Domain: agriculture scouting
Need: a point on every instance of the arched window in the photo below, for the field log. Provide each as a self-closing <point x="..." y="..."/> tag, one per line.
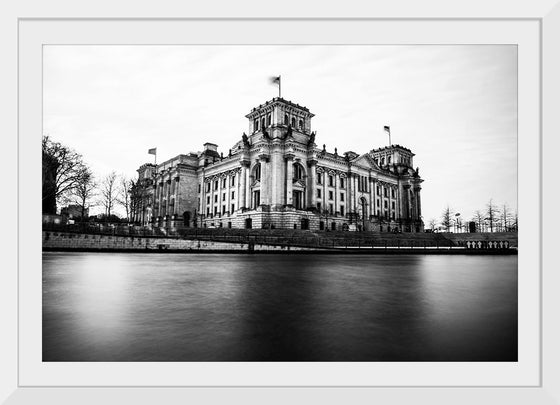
<point x="286" y="119"/>
<point x="263" y="122"/>
<point x="256" y="125"/>
<point x="301" y="124"/>
<point x="293" y="122"/>
<point x="268" y="119"/>
<point x="298" y="171"/>
<point x="258" y="172"/>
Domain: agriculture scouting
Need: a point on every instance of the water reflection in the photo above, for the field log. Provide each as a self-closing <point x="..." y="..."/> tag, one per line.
<point x="202" y="307"/>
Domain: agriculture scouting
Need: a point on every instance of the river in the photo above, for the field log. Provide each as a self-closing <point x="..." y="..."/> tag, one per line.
<point x="269" y="307"/>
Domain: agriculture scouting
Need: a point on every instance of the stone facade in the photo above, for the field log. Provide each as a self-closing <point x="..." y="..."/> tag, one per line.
<point x="276" y="177"/>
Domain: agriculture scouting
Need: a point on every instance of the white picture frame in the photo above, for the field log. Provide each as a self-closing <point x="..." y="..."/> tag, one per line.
<point x="547" y="17"/>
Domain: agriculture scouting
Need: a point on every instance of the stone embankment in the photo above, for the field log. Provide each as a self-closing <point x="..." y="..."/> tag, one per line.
<point x="421" y="244"/>
<point x="69" y="241"/>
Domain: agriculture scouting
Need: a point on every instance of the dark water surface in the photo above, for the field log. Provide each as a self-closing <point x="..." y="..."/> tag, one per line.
<point x="222" y="307"/>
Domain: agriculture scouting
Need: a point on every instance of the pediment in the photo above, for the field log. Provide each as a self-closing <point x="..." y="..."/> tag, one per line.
<point x="365" y="160"/>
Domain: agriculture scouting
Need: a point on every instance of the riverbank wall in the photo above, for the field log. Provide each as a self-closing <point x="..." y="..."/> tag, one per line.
<point x="78" y="242"/>
<point x="69" y="241"/>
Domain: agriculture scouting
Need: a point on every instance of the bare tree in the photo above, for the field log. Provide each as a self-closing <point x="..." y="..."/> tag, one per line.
<point x="478" y="218"/>
<point x="492" y="215"/>
<point x="109" y="192"/>
<point x="124" y="197"/>
<point x="63" y="169"/>
<point x="85" y="191"/>
<point x="432" y="224"/>
<point x="506" y="217"/>
<point x="446" y="218"/>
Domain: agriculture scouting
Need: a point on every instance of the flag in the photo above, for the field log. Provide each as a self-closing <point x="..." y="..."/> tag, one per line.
<point x="152" y="151"/>
<point x="387" y="129"/>
<point x="276" y="80"/>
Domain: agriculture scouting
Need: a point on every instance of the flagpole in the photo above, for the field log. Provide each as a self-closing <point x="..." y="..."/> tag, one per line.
<point x="279" y="86"/>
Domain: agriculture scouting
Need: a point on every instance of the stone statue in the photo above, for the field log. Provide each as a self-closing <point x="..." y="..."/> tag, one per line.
<point x="265" y="134"/>
<point x="335" y="151"/>
<point x="245" y="140"/>
<point x="311" y="139"/>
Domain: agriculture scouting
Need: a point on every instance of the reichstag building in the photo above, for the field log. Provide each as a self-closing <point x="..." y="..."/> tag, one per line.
<point x="275" y="177"/>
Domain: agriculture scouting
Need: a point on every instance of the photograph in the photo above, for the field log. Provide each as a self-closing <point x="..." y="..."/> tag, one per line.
<point x="280" y="203"/>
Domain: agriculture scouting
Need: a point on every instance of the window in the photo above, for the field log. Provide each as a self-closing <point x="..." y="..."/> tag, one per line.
<point x="298" y="172"/>
<point x="258" y="172"/>
<point x="298" y="199"/>
<point x="199" y="188"/>
<point x="342" y="210"/>
<point x="232" y="209"/>
<point x="341" y="196"/>
<point x="393" y="215"/>
<point x="392" y="193"/>
<point x="389" y="160"/>
<point x="393" y="205"/>
<point x="233" y="195"/>
<point x="382" y="161"/>
<point x="293" y="122"/>
<point x="341" y="183"/>
<point x="215" y="210"/>
<point x="331" y="181"/>
<point x="263" y="122"/>
<point x="224" y="182"/>
<point x="208" y="200"/>
<point x="385" y="204"/>
<point x="319" y="178"/>
<point x="256" y="125"/>
<point x="377" y="202"/>
<point x="301" y="124"/>
<point x="286" y="119"/>
<point x="330" y="195"/>
<point x="377" y="190"/>
<point x="223" y="196"/>
<point x="385" y="192"/>
<point x="207" y="211"/>
<point x="256" y="198"/>
<point x="215" y="198"/>
<point x="268" y="120"/>
<point x="319" y="206"/>
<point x="318" y="193"/>
<point x="233" y="180"/>
<point x="208" y="187"/>
<point x="216" y="185"/>
<point x="331" y="209"/>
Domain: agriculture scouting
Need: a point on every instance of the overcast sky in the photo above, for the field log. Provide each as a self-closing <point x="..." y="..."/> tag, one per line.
<point x="454" y="106"/>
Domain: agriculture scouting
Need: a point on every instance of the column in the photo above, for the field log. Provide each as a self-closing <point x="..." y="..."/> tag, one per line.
<point x="350" y="196"/>
<point x="175" y="209"/>
<point x="407" y="201"/>
<point x="242" y="181"/>
<point x="160" y="198"/>
<point x="372" y="196"/>
<point x="311" y="182"/>
<point x="228" y="193"/>
<point x="418" y="206"/>
<point x="265" y="181"/>
<point x="336" y="184"/>
<point x="289" y="178"/>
